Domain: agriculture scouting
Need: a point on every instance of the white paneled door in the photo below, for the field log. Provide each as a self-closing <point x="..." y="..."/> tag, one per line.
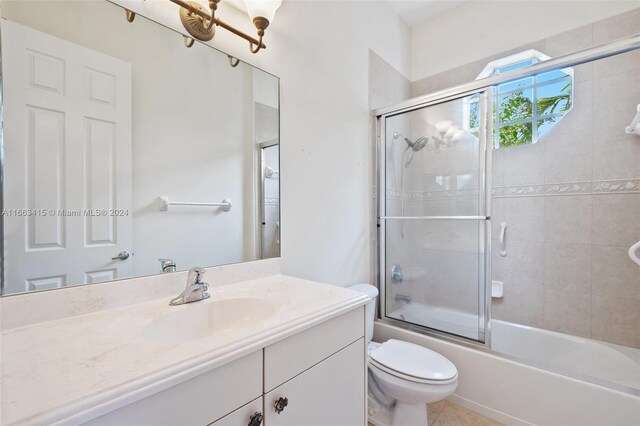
<point x="67" y="162"/>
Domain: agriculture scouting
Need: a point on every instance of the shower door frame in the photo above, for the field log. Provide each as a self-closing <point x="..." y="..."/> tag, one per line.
<point x="484" y="195"/>
<point x="616" y="47"/>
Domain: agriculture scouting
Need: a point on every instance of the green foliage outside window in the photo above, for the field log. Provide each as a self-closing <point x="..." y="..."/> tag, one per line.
<point x="518" y="106"/>
<point x="526" y="108"/>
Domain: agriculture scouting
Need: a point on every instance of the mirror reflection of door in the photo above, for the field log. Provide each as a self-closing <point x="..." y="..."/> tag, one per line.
<point x="64" y="106"/>
<point x="270" y="200"/>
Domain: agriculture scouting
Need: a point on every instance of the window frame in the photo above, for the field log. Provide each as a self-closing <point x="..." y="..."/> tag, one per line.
<point x="494" y="68"/>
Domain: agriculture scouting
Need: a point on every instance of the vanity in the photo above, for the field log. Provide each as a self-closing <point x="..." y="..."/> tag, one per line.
<point x="275" y="350"/>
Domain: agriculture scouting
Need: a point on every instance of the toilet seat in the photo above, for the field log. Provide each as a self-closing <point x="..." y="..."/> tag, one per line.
<point x="413" y="363"/>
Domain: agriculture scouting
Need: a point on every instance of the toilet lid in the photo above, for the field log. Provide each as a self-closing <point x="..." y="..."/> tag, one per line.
<point x="413" y="360"/>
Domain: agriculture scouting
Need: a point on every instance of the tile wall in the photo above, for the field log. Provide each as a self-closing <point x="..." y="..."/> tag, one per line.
<point x="572" y="200"/>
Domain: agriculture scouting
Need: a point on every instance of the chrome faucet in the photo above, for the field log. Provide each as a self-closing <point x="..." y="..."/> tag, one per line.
<point x="403" y="298"/>
<point x="196" y="289"/>
<point x="167" y="265"/>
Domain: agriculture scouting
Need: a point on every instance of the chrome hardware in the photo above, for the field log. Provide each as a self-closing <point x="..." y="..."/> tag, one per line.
<point x="403" y="298"/>
<point x="255" y="419"/>
<point x="196" y="289"/>
<point x="435" y="217"/>
<point x="123" y="255"/>
<point x="280" y="404"/>
<point x="396" y="274"/>
<point x="167" y="265"/>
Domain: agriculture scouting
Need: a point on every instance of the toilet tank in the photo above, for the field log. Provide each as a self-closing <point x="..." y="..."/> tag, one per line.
<point x="370" y="307"/>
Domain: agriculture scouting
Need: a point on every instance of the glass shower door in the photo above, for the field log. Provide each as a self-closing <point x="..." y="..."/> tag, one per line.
<point x="434" y="217"/>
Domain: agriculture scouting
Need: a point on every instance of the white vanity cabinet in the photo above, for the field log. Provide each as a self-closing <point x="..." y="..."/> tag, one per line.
<point x="330" y="393"/>
<point x="320" y="373"/>
<point x="198" y="401"/>
<point x="314" y="377"/>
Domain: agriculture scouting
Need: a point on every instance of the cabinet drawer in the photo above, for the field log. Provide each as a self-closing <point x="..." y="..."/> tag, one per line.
<point x="290" y="357"/>
<point x="330" y="393"/>
<point x="242" y="415"/>
<point x="197" y="401"/>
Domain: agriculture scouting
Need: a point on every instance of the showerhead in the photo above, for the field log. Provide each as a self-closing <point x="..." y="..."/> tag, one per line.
<point x="420" y="143"/>
<point x="412" y="147"/>
<point x="417" y="145"/>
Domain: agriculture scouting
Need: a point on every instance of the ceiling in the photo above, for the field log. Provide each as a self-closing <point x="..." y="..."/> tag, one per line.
<point x="415" y="12"/>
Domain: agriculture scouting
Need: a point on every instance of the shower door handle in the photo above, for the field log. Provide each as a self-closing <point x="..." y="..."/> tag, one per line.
<point x="632" y="252"/>
<point x="503" y="247"/>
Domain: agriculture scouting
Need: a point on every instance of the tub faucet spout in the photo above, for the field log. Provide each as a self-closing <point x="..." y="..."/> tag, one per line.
<point x="403" y="298"/>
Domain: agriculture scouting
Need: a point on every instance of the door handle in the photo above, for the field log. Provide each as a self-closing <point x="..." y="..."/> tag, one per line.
<point x="123" y="255"/>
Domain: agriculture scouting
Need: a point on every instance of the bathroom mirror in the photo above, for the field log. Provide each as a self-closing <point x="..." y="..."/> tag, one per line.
<point x="126" y="153"/>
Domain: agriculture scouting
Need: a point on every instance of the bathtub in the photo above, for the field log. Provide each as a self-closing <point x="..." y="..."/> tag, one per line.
<point x="598" y="362"/>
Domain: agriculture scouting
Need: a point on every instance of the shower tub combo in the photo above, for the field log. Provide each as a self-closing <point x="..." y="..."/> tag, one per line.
<point x="436" y="262"/>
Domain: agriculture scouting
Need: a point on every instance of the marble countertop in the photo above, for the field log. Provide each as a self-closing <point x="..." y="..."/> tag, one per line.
<point x="77" y="368"/>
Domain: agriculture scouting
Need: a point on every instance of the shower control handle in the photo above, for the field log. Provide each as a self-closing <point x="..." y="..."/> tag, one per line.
<point x="396" y="274"/>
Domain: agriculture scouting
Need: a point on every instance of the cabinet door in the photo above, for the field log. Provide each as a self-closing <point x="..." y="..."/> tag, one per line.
<point x="247" y="415"/>
<point x="286" y="359"/>
<point x="329" y="393"/>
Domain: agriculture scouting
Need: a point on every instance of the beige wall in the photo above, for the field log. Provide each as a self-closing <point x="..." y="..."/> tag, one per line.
<point x="572" y="200"/>
<point x="478" y="29"/>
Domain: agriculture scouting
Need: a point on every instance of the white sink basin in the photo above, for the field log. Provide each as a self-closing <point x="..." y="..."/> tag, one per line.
<point x="207" y="318"/>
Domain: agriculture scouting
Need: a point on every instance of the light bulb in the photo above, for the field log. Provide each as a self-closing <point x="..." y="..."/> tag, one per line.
<point x="443" y="125"/>
<point x="451" y="131"/>
<point x="458" y="135"/>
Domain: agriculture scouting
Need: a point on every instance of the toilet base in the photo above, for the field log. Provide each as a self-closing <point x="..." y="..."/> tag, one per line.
<point x="376" y="414"/>
<point x="405" y="414"/>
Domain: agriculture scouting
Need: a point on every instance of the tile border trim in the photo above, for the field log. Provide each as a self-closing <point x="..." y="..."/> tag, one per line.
<point x="598" y="187"/>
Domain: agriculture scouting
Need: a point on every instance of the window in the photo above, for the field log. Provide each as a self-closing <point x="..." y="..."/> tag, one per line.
<point x="525" y="109"/>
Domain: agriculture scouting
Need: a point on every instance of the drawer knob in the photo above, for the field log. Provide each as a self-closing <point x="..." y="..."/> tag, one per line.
<point x="280" y="404"/>
<point x="255" y="419"/>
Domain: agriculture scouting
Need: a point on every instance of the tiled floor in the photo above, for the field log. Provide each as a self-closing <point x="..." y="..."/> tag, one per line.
<point x="445" y="413"/>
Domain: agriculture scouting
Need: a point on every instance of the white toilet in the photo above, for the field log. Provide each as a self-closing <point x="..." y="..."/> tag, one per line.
<point x="403" y="375"/>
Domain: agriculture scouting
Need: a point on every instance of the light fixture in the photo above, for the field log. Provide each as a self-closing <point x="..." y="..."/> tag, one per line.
<point x="200" y="23"/>
<point x="448" y="135"/>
